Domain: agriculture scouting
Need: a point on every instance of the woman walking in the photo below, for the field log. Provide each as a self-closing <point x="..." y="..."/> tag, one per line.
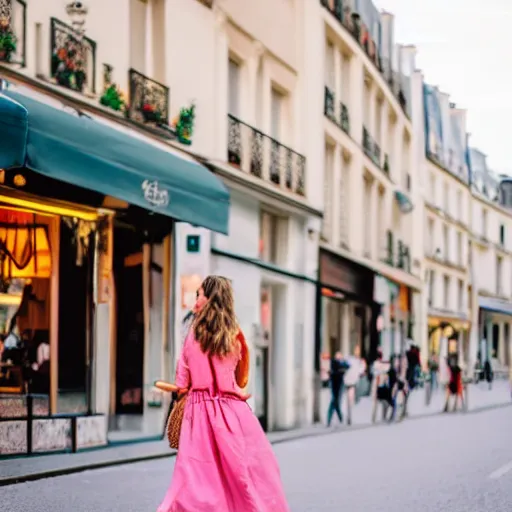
<point x="225" y="462"/>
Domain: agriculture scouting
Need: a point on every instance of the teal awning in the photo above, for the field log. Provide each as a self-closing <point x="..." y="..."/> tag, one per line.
<point x="59" y="142"/>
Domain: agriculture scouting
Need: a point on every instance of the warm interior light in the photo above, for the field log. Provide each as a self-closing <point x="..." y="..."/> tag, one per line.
<point x="50" y="207"/>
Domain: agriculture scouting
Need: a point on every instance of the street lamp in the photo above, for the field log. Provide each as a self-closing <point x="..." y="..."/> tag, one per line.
<point x="77" y="13"/>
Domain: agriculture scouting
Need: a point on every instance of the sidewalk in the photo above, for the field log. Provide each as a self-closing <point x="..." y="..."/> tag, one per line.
<point x="36" y="467"/>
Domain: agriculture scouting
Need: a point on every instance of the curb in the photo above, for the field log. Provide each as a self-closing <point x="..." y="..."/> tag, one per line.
<point x="52" y="473"/>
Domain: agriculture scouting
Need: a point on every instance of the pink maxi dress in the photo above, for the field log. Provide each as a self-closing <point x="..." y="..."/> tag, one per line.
<point x="225" y="462"/>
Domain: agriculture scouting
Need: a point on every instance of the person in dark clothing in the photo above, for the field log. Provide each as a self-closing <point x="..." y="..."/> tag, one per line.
<point x="488" y="373"/>
<point x="336" y="375"/>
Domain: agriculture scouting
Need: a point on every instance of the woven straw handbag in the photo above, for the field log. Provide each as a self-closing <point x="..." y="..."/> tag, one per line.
<point x="175" y="421"/>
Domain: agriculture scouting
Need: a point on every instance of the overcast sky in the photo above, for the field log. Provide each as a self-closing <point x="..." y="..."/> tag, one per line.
<point x="465" y="47"/>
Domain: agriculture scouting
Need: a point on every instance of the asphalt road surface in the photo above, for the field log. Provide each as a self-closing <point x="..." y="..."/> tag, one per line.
<point x="452" y="463"/>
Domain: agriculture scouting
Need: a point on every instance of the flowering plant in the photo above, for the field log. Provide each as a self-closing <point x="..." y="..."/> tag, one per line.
<point x="8" y="40"/>
<point x="68" y="66"/>
<point x="113" y="98"/>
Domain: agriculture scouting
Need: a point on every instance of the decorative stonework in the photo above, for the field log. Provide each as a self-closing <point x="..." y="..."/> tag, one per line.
<point x="91" y="431"/>
<point x="13" y="437"/>
<point x="51" y="435"/>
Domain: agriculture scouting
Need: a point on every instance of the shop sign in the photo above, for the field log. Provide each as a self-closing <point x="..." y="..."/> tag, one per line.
<point x="343" y="275"/>
<point x="155" y="195"/>
<point x="381" y="290"/>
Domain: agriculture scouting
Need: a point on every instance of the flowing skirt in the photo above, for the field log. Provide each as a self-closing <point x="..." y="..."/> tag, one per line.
<point x="225" y="462"/>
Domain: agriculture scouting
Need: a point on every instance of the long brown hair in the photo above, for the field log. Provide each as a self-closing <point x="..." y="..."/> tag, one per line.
<point x="215" y="326"/>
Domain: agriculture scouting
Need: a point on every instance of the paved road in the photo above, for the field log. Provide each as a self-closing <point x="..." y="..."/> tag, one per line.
<point x="452" y="463"/>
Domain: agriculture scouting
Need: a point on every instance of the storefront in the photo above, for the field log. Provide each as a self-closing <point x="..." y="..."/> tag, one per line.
<point x="87" y="210"/>
<point x="448" y="336"/>
<point x="494" y="320"/>
<point x="348" y="312"/>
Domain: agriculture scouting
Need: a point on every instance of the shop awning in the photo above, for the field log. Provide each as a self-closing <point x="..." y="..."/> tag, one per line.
<point x="495" y="305"/>
<point x="42" y="134"/>
<point x="404" y="203"/>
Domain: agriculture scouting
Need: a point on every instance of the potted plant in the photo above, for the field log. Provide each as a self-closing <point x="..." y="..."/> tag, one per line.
<point x="151" y="114"/>
<point x="113" y="98"/>
<point x="68" y="67"/>
<point x="184" y="125"/>
<point x="8" y="40"/>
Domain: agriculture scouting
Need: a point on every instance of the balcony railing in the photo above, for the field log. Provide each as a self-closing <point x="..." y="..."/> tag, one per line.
<point x="256" y="153"/>
<point x="371" y="148"/>
<point x="367" y="142"/>
<point x="401" y="258"/>
<point x="329" y="104"/>
<point x="149" y="100"/>
<point x="345" y="119"/>
<point x="73" y="62"/>
<point x="342" y="119"/>
<point x="352" y="22"/>
<point x="13" y="25"/>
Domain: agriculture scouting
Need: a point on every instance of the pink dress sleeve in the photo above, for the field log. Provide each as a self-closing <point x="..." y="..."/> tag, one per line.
<point x="182" y="369"/>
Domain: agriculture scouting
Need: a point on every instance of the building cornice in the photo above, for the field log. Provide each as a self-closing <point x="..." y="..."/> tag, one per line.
<point x="447" y="172"/>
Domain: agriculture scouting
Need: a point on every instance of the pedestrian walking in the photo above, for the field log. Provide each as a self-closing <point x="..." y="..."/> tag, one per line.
<point x="488" y="373"/>
<point x="455" y="386"/>
<point x="336" y="375"/>
<point x="357" y="368"/>
<point x="225" y="462"/>
<point x="433" y="368"/>
<point x="381" y="389"/>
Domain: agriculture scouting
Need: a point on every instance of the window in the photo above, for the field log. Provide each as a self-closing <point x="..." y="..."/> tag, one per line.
<point x="460" y="216"/>
<point x="484" y="223"/>
<point x="273" y="238"/>
<point x="446" y="243"/>
<point x="459" y="248"/>
<point x="431" y="287"/>
<point x="329" y="65"/>
<point x="446" y="292"/>
<point x="429" y="242"/>
<point x="432" y="189"/>
<point x="328" y="191"/>
<point x="502" y="235"/>
<point x="461" y="305"/>
<point x="499" y="275"/>
<point x="276" y="114"/>
<point x="446" y="198"/>
<point x="234" y="88"/>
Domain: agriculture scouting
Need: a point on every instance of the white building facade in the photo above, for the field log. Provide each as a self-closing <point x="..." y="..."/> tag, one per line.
<point x="491" y="259"/>
<point x="257" y="144"/>
<point x="370" y="250"/>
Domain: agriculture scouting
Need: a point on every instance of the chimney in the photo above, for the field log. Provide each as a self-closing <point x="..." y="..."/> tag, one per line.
<point x="408" y="59"/>
<point x="387" y="39"/>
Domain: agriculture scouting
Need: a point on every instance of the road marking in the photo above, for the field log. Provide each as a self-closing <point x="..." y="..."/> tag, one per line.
<point x="501" y="471"/>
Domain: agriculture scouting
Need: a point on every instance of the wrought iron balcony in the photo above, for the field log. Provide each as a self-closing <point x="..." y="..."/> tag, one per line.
<point x="256" y="153"/>
<point x="335" y="7"/>
<point x="13" y="25"/>
<point x="367" y="143"/>
<point x="149" y="100"/>
<point x="329" y="104"/>
<point x="385" y="167"/>
<point x="345" y="118"/>
<point x="376" y="155"/>
<point x="73" y="62"/>
<point x="389" y="258"/>
<point x="403" y="257"/>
